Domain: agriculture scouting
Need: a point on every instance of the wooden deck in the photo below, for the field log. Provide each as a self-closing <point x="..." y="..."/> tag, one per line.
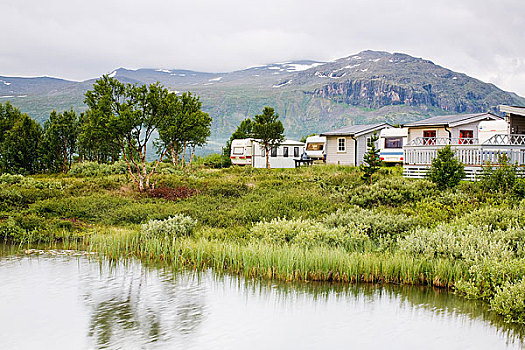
<point x="418" y="154"/>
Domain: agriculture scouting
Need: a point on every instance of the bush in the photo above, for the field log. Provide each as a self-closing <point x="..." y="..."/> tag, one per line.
<point x="391" y="191"/>
<point x="375" y="224"/>
<point x="170" y="228"/>
<point x="502" y="178"/>
<point x="215" y="161"/>
<point x="97" y="169"/>
<point x="172" y="194"/>
<point x="510" y="301"/>
<point x="446" y="171"/>
<point x="307" y="233"/>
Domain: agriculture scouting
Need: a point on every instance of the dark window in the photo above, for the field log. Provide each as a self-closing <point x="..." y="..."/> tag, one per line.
<point x="393" y="142"/>
<point x="429" y="137"/>
<point x="285" y="151"/>
<point x="274" y="152"/>
<point x="341" y="145"/>
<point x="296" y="151"/>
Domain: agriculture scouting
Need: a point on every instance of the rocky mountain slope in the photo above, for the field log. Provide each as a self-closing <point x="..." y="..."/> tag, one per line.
<point x="310" y="96"/>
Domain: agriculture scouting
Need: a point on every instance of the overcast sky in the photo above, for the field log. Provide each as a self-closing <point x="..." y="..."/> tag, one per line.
<point x="81" y="39"/>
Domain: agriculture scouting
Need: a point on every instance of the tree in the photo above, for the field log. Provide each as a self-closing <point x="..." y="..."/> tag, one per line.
<point x="128" y="115"/>
<point x="20" y="138"/>
<point x="95" y="142"/>
<point x="243" y="131"/>
<point x="268" y="130"/>
<point x="60" y="140"/>
<point x="446" y="171"/>
<point x="184" y="125"/>
<point x="371" y="160"/>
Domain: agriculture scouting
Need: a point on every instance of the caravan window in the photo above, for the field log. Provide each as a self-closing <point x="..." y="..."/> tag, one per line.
<point x="273" y="152"/>
<point x="393" y="142"/>
<point x="341" y="144"/>
<point x="238" y="150"/>
<point x="285" y="151"/>
<point x="296" y="151"/>
<point x="314" y="147"/>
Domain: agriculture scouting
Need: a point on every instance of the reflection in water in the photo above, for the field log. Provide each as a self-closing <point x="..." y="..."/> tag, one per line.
<point x="82" y="303"/>
<point x="132" y="302"/>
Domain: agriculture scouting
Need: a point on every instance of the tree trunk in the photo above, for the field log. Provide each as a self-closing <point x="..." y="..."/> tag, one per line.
<point x="267" y="157"/>
<point x="192" y="154"/>
<point x="184" y="154"/>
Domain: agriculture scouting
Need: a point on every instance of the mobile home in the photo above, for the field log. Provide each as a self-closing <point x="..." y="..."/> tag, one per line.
<point x="315" y="147"/>
<point x="391" y="142"/>
<point x="347" y="146"/>
<point x="251" y="152"/>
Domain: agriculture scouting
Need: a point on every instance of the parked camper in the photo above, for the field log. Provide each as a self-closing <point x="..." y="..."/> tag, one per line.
<point x="315" y="147"/>
<point x="251" y="152"/>
<point x="241" y="151"/>
<point x="489" y="128"/>
<point x="391" y="142"/>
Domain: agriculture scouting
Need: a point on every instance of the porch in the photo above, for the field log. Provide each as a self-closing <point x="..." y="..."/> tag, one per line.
<point x="420" y="152"/>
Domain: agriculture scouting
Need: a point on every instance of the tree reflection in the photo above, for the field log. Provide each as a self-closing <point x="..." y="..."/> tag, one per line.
<point x="135" y="305"/>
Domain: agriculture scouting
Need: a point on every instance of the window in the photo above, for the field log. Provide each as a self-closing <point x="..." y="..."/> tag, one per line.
<point x="429" y="137"/>
<point x="296" y="152"/>
<point x="341" y="144"/>
<point x="273" y="152"/>
<point x="285" y="151"/>
<point x="466" y="137"/>
<point x="238" y="150"/>
<point x="318" y="146"/>
<point x="393" y="142"/>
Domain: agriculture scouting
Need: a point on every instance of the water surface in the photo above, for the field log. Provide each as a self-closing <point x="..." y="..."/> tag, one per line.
<point x="76" y="302"/>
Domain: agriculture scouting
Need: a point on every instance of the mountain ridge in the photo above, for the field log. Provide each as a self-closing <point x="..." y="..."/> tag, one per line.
<point x="311" y="96"/>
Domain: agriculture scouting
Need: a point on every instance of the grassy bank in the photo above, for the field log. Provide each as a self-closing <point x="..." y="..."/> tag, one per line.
<point x="311" y="224"/>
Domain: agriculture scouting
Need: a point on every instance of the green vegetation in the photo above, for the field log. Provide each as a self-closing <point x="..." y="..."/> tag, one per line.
<point x="314" y="223"/>
<point x="371" y="161"/>
<point x="446" y="171"/>
<point x="268" y="130"/>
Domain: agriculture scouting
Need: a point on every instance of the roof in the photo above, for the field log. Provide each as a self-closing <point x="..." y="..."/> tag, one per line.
<point x="453" y="120"/>
<point x="512" y="109"/>
<point x="356" y="130"/>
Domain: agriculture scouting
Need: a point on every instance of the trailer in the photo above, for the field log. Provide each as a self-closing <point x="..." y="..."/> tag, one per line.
<point x="315" y="147"/>
<point x="391" y="142"/>
<point x="249" y="152"/>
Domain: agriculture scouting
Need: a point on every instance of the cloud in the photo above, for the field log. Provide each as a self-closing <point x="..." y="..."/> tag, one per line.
<point x="83" y="39"/>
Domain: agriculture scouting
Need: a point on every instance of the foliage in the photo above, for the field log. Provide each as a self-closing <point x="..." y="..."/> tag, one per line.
<point x="20" y="138"/>
<point x="170" y="228"/>
<point x="502" y="178"/>
<point x="98" y="169"/>
<point x="510" y="301"/>
<point x="59" y="142"/>
<point x="268" y="130"/>
<point x="371" y="160"/>
<point x="446" y="171"/>
<point x="215" y="161"/>
<point x="184" y="126"/>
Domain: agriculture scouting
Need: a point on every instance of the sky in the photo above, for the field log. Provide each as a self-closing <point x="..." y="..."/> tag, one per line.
<point x="79" y="39"/>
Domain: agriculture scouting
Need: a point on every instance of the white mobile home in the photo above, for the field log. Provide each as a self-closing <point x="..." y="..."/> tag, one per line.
<point x="347" y="146"/>
<point x="251" y="152"/>
<point x="315" y="147"/>
<point x="391" y="142"/>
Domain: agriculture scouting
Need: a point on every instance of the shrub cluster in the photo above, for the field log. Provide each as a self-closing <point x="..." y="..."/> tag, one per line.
<point x="172" y="194"/>
<point x="170" y="228"/>
<point x="307" y="233"/>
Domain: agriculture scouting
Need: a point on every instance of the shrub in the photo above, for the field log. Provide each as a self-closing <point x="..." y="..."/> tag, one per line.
<point x="375" y="224"/>
<point x="307" y="233"/>
<point x="216" y="161"/>
<point x="170" y="228"/>
<point x="391" y="191"/>
<point x="502" y="178"/>
<point x="446" y="171"/>
<point x="172" y="194"/>
<point x="510" y="301"/>
<point x="97" y="169"/>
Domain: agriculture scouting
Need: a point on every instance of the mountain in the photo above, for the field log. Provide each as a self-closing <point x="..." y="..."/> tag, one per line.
<point x="310" y="96"/>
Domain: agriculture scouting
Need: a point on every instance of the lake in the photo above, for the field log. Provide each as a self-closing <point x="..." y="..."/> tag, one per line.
<point x="78" y="302"/>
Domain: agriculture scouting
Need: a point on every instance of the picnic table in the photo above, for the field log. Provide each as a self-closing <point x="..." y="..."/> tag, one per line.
<point x="298" y="162"/>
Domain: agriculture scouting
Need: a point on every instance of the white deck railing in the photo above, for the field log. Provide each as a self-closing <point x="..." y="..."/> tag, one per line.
<point x="421" y="151"/>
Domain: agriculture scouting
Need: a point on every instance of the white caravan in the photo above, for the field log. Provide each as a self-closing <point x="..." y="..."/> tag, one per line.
<point x="391" y="142"/>
<point x="315" y="147"/>
<point x="251" y="152"/>
<point x="489" y="128"/>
